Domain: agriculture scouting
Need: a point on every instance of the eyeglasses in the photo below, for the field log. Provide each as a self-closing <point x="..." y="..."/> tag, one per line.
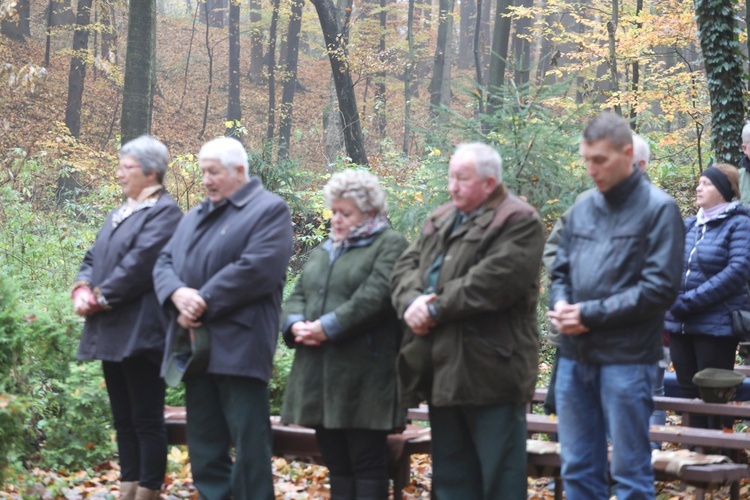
<point x="127" y="167"/>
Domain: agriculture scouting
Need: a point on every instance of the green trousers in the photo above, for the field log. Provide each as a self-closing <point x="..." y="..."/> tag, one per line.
<point x="479" y="452"/>
<point x="224" y="410"/>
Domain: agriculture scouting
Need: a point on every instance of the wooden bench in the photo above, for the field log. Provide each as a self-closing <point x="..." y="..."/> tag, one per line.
<point x="297" y="441"/>
<point x="704" y="477"/>
<point x="739" y="410"/>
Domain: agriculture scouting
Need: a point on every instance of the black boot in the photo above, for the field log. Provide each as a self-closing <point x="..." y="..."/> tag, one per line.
<point x="342" y="487"/>
<point x="372" y="489"/>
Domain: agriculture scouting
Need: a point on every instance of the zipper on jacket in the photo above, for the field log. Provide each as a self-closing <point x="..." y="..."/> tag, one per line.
<point x="701" y="232"/>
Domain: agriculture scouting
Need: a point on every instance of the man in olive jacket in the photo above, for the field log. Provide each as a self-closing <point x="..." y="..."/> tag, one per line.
<point x="467" y="290"/>
<point x="222" y="274"/>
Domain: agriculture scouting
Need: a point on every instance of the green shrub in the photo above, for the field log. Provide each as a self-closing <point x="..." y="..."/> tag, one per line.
<point x="62" y="394"/>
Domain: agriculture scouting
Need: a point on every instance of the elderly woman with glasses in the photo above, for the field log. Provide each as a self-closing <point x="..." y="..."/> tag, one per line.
<point x="124" y="327"/>
<point x="341" y="323"/>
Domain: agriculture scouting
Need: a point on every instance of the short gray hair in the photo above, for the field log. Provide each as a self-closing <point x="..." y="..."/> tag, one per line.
<point x="608" y="126"/>
<point x="362" y="187"/>
<point x="229" y="151"/>
<point x="152" y="155"/>
<point x="746" y="133"/>
<point x="487" y="160"/>
<point x="641" y="150"/>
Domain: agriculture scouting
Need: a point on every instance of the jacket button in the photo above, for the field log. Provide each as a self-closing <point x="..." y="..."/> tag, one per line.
<point x="322" y="290"/>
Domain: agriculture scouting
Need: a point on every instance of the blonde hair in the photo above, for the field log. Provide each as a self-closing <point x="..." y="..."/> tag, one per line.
<point x="363" y="188"/>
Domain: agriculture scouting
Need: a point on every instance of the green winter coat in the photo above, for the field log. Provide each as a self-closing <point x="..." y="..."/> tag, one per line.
<point x="350" y="380"/>
<point x="484" y="348"/>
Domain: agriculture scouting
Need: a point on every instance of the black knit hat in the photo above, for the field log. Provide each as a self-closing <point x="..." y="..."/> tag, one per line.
<point x="720" y="182"/>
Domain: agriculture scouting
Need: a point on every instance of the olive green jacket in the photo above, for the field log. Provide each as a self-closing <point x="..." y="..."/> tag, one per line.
<point x="485" y="345"/>
<point x="350" y="380"/>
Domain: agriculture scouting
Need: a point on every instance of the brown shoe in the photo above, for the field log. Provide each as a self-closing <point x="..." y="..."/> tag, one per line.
<point x="147" y="494"/>
<point x="127" y="490"/>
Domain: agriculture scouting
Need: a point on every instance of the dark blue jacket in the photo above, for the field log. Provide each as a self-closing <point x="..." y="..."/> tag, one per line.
<point x="119" y="264"/>
<point x="714" y="276"/>
<point x="236" y="256"/>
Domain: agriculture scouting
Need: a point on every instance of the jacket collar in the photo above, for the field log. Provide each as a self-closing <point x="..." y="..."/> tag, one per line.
<point x="481" y="217"/>
<point x="239" y="199"/>
<point x="620" y="192"/>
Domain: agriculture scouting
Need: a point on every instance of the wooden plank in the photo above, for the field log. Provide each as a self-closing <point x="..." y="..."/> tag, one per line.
<point x="707" y="474"/>
<point x="666" y="433"/>
<point x="737" y="409"/>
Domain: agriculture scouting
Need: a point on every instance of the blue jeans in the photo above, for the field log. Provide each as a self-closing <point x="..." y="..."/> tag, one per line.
<point x="594" y="401"/>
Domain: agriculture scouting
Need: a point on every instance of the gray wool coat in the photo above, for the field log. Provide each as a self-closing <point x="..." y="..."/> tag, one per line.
<point x="236" y="257"/>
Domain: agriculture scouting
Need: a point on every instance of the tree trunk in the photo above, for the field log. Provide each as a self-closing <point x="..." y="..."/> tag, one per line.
<point x="109" y="33"/>
<point x="424" y="12"/>
<point x="255" y="74"/>
<point x="332" y="33"/>
<point x="272" y="75"/>
<point x="209" y="89"/>
<point x="290" y="77"/>
<point x="214" y="12"/>
<point x="635" y="80"/>
<point x="380" y="99"/>
<point x="407" y="77"/>
<point x="333" y="127"/>
<point x="522" y="52"/>
<point x="721" y="55"/>
<point x="61" y="13"/>
<point x="77" y="73"/>
<point x="48" y="37"/>
<point x="468" y="10"/>
<point x="546" y="56"/>
<point x="485" y="35"/>
<point x="441" y="68"/>
<point x="478" y="65"/>
<point x="234" y="109"/>
<point x="19" y="29"/>
<point x="499" y="54"/>
<point x="139" y="65"/>
<point x="612" y="31"/>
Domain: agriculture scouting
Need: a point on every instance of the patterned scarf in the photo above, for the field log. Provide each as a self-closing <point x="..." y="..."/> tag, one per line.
<point x="148" y="198"/>
<point x="367" y="228"/>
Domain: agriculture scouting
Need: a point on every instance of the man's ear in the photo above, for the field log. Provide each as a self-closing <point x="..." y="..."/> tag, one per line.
<point x="239" y="171"/>
<point x="491" y="183"/>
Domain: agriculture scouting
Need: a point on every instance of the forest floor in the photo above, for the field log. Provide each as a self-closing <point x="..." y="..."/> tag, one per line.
<point x="292" y="480"/>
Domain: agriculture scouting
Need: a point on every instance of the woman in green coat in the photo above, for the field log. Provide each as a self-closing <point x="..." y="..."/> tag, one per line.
<point x="341" y="323"/>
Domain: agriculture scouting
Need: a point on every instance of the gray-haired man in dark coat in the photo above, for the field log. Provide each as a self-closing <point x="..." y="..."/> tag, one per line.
<point x="221" y="276"/>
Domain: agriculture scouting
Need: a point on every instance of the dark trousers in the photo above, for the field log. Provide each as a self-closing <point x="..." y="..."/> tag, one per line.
<point x="136" y="396"/>
<point x="550" y="406"/>
<point x="479" y="452"/>
<point x="223" y="410"/>
<point x="357" y="453"/>
<point x="691" y="354"/>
